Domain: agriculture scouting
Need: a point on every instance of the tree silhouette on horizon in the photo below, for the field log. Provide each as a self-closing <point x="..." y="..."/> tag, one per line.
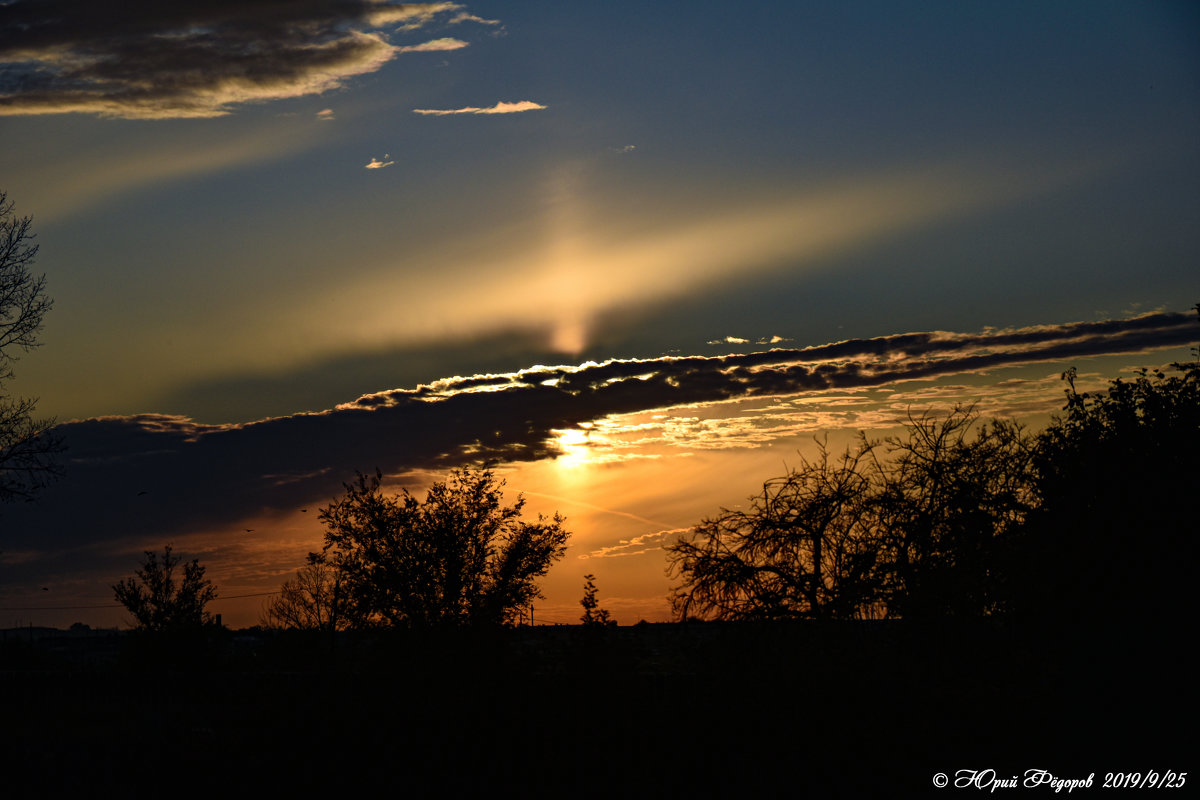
<point x="1092" y="520"/>
<point x="459" y="558"/>
<point x="27" y="446"/>
<point x="159" y="601"/>
<point x="903" y="527"/>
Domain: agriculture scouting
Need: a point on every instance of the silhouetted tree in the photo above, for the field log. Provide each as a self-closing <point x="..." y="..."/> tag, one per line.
<point x="27" y="448"/>
<point x="947" y="496"/>
<point x="460" y="557"/>
<point x="313" y="600"/>
<point x="593" y="616"/>
<point x="1113" y="538"/>
<point x="158" y="603"/>
<point x="904" y="528"/>
<point x="806" y="548"/>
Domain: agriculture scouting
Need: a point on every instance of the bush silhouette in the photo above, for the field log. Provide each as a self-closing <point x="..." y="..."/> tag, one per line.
<point x="1112" y="538"/>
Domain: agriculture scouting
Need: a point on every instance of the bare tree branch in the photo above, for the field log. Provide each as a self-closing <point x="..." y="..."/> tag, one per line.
<point x="28" y="446"/>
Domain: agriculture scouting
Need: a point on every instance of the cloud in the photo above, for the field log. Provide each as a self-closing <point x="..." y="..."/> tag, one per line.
<point x="730" y="340"/>
<point x="192" y="58"/>
<point x="375" y="163"/>
<point x="324" y="382"/>
<point x="68" y="186"/>
<point x="156" y="475"/>
<point x="325" y="114"/>
<point x="645" y="543"/>
<point x="411" y="16"/>
<point x="463" y="16"/>
<point x="739" y="426"/>
<point x="434" y="46"/>
<point x="500" y="108"/>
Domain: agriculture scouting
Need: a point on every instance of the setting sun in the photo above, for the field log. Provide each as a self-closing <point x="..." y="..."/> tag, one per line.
<point x="576" y="447"/>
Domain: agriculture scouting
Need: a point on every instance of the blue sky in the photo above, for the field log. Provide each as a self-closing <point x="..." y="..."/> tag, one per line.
<point x="669" y="177"/>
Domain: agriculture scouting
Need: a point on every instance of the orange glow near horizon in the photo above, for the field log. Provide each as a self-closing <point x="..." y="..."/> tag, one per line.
<point x="627" y="485"/>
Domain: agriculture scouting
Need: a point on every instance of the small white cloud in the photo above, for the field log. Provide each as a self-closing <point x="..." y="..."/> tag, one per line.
<point x="500" y="108"/>
<point x="629" y="148"/>
<point x="325" y="114"/>
<point x="773" y="340"/>
<point x="466" y="17"/>
<point x="730" y="340"/>
<point x="412" y="15"/>
<point x="377" y="164"/>
<point x="434" y="46"/>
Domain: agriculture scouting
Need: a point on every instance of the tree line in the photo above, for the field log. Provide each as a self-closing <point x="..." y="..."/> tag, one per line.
<point x="459" y="558"/>
<point x="1088" y="520"/>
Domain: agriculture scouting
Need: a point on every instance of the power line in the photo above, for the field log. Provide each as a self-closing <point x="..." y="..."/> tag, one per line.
<point x="238" y="596"/>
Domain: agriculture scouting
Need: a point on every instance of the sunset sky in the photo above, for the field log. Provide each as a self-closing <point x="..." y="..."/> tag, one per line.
<point x="286" y="242"/>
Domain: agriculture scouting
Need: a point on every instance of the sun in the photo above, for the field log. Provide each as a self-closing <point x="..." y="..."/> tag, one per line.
<point x="575" y="446"/>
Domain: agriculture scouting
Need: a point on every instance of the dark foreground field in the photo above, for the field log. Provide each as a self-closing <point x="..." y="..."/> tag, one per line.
<point x="709" y="710"/>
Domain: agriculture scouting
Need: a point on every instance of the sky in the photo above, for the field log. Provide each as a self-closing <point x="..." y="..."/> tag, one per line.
<point x="639" y="254"/>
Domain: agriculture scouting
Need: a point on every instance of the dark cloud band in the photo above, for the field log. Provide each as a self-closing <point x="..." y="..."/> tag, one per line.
<point x="193" y="58"/>
<point x="159" y="475"/>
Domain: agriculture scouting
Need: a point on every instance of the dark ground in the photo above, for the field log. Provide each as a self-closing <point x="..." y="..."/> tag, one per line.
<point x="696" y="710"/>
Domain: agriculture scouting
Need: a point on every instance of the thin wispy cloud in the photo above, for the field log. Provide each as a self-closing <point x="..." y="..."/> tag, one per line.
<point x="638" y="545"/>
<point x="326" y="114"/>
<point x="500" y="108"/>
<point x="727" y="427"/>
<point x="416" y="17"/>
<point x="68" y="187"/>
<point x="464" y="16"/>
<point x="193" y="58"/>
<point x="434" y="46"/>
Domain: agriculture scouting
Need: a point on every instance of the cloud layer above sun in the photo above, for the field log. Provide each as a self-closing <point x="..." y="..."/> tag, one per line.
<point x="167" y="475"/>
<point x="196" y="58"/>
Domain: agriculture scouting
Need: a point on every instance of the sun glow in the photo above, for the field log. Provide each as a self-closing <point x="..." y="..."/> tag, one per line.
<point x="575" y="445"/>
<point x="577" y="262"/>
<point x="569" y="336"/>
